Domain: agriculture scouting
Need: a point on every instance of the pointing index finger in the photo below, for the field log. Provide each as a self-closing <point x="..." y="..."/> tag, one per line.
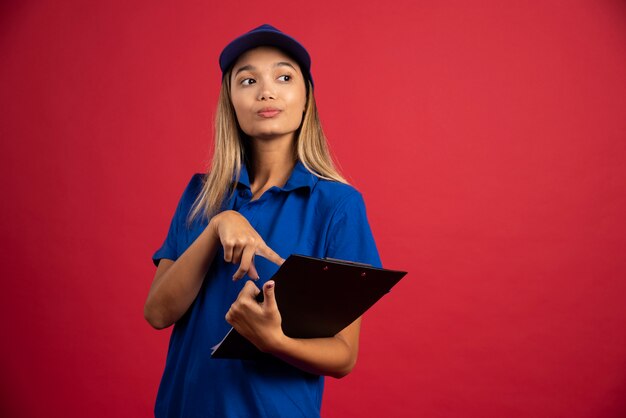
<point x="271" y="255"/>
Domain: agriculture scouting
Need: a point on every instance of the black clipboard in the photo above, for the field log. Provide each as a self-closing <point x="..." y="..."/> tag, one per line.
<point x="316" y="297"/>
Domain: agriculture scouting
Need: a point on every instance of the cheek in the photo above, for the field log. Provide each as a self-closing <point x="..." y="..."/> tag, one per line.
<point x="297" y="103"/>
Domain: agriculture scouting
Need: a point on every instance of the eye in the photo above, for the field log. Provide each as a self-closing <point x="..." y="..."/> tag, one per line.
<point x="285" y="77"/>
<point x="247" y="81"/>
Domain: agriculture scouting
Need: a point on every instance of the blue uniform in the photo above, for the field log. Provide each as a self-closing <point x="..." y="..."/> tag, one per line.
<point x="308" y="216"/>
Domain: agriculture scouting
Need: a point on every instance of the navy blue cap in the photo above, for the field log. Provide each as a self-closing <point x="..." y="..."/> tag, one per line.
<point x="266" y="35"/>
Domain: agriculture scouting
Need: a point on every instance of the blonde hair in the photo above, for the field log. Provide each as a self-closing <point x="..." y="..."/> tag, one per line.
<point x="230" y="153"/>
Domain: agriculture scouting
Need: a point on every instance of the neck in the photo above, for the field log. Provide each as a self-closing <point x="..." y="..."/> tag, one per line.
<point x="271" y="163"/>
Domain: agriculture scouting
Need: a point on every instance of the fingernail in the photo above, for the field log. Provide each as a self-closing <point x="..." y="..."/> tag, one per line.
<point x="270" y="284"/>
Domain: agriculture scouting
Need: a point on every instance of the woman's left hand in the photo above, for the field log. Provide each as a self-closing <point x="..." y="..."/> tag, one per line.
<point x="260" y="323"/>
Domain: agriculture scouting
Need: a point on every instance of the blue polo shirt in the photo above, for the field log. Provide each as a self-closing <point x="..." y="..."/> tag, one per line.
<point x="309" y="216"/>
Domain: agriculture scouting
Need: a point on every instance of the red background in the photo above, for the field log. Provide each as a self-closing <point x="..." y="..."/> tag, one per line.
<point x="488" y="139"/>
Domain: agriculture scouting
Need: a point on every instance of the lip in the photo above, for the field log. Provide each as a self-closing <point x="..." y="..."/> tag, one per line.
<point x="268" y="112"/>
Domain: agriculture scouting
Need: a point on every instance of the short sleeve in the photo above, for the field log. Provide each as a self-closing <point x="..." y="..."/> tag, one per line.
<point x="350" y="235"/>
<point x="170" y="247"/>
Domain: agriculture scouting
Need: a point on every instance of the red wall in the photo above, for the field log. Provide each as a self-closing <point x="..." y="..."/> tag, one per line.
<point x="489" y="140"/>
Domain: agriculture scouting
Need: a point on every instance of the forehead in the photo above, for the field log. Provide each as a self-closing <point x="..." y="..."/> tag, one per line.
<point x="263" y="55"/>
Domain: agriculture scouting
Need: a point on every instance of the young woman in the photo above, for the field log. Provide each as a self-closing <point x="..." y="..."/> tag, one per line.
<point x="272" y="190"/>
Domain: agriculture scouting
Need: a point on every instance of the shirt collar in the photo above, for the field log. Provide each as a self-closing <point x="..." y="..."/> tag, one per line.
<point x="300" y="178"/>
<point x="244" y="179"/>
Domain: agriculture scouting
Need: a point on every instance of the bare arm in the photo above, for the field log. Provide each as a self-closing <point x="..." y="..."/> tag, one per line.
<point x="335" y="356"/>
<point x="177" y="283"/>
<point x="261" y="324"/>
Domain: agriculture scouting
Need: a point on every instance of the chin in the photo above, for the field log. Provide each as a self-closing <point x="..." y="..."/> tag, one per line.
<point x="269" y="134"/>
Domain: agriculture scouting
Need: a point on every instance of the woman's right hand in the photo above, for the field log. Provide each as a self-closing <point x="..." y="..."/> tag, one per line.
<point x="241" y="243"/>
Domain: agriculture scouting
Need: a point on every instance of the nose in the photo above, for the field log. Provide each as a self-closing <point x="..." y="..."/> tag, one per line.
<point x="266" y="91"/>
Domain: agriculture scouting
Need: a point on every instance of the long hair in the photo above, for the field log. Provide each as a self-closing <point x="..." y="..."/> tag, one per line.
<point x="230" y="152"/>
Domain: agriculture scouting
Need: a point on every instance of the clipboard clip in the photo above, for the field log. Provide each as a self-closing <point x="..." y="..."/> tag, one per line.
<point x="354" y="263"/>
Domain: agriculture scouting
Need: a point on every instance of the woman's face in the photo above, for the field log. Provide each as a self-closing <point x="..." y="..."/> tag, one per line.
<point x="268" y="93"/>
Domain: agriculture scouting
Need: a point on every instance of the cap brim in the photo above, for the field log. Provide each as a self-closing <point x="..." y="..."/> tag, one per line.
<point x="257" y="38"/>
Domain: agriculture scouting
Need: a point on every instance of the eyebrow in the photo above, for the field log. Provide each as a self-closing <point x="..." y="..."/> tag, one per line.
<point x="252" y="67"/>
